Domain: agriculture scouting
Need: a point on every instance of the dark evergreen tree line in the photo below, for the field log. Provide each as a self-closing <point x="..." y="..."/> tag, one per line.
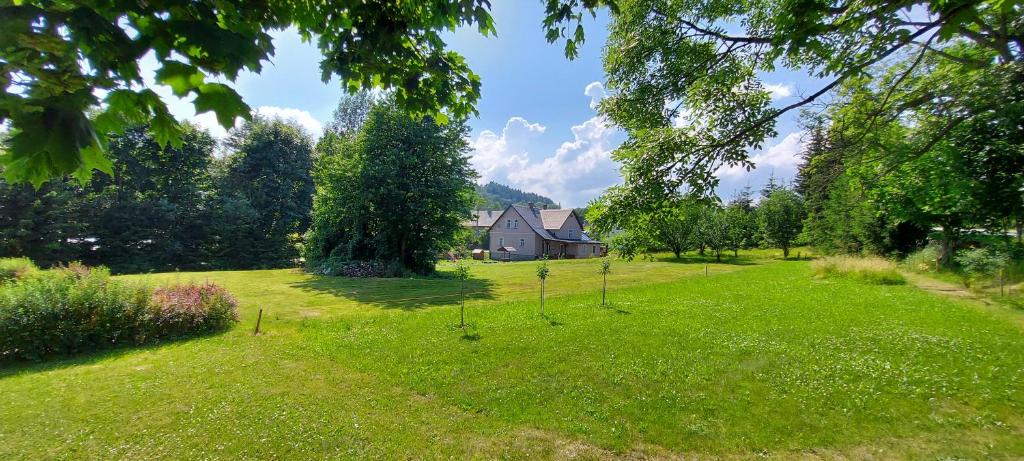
<point x="174" y="207"/>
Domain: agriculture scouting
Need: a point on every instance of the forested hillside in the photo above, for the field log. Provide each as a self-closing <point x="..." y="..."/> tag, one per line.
<point x="496" y="196"/>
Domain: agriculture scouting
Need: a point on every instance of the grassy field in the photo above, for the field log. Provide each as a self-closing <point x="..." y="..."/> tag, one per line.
<point x="758" y="358"/>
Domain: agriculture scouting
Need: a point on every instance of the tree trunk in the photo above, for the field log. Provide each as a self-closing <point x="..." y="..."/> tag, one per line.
<point x="785" y="251"/>
<point x="718" y="256"/>
<point x="677" y="251"/>
<point x="702" y="250"/>
<point x="604" y="289"/>
<point x="736" y="252"/>
<point x="542" y="297"/>
<point x="948" y="244"/>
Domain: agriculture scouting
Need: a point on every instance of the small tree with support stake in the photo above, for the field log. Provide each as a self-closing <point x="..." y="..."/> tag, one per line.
<point x="606" y="268"/>
<point x="462" y="274"/>
<point x="542" y="274"/>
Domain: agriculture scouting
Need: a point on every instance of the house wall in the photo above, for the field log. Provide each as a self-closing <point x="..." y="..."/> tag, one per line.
<point x="511" y="237"/>
<point x="570" y="223"/>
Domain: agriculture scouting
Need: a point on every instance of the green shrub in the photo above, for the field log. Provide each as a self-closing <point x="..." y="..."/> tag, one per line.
<point x="866" y="269"/>
<point x="923" y="260"/>
<point x="77" y="309"/>
<point x="15" y="268"/>
<point x="980" y="263"/>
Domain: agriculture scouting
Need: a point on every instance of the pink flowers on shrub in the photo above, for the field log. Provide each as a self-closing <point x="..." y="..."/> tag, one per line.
<point x="187" y="309"/>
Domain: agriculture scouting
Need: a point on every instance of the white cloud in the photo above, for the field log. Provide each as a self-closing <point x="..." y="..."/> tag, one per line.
<point x="779" y="91"/>
<point x="782" y="158"/>
<point x="596" y="92"/>
<point x="494" y="156"/>
<point x="299" y="116"/>
<point x="576" y="172"/>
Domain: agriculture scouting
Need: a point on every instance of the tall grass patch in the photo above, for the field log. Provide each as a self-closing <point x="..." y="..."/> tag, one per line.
<point x="865" y="269"/>
<point x="75" y="309"/>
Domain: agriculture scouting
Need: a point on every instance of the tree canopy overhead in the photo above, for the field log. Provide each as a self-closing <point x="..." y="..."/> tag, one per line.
<point x="685" y="74"/>
<point x="70" y="71"/>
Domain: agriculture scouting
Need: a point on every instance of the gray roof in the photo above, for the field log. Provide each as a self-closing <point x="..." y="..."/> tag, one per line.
<point x="483" y="218"/>
<point x="536" y="220"/>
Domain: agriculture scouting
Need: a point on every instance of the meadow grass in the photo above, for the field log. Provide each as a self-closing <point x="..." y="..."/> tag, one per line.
<point x="758" y="358"/>
<point x="863" y="268"/>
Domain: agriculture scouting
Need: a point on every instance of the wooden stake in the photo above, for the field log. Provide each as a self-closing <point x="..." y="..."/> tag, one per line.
<point x="258" y="319"/>
<point x="705" y="270"/>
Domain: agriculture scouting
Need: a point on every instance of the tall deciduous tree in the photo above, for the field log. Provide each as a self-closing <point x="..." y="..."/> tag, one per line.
<point x="396" y="192"/>
<point x="266" y="179"/>
<point x="781" y="216"/>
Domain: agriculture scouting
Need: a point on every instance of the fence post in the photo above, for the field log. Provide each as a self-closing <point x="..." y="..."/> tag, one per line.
<point x="259" y="318"/>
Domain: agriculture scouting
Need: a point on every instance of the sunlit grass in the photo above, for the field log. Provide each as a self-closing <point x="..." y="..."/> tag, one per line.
<point x="756" y="358"/>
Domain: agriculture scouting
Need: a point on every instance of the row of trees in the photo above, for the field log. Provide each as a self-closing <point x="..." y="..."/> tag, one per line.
<point x="172" y="207"/>
<point x="705" y="224"/>
<point x="934" y="144"/>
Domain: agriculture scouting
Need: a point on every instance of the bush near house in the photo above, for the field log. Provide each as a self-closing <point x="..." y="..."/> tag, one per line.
<point x="77" y="309"/>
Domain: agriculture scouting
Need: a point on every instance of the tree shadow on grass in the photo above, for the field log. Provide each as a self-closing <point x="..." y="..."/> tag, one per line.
<point x="399" y="293"/>
<point x="709" y="259"/>
<point x="10" y="368"/>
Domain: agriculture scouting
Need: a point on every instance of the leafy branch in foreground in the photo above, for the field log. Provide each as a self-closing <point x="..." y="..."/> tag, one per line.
<point x="705" y="59"/>
<point x="70" y="70"/>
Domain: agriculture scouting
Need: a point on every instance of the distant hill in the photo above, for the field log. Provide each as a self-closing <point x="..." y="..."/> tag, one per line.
<point x="496" y="196"/>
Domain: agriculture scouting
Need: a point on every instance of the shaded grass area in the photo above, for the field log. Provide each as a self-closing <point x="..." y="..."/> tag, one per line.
<point x="753" y="359"/>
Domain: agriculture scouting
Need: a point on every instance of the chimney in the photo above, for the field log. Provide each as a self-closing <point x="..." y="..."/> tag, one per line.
<point x="529" y="205"/>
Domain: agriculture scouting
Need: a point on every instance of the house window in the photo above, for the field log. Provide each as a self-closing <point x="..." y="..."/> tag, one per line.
<point x="522" y="243"/>
<point x="501" y="242"/>
<point x="572" y="234"/>
<point x="515" y="225"/>
<point x="593" y="249"/>
<point x="508" y="224"/>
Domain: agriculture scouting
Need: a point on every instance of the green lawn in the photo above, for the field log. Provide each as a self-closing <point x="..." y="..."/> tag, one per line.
<point x="757" y="358"/>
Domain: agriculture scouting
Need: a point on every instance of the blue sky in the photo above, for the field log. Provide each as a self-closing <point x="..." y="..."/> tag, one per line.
<point x="537" y="129"/>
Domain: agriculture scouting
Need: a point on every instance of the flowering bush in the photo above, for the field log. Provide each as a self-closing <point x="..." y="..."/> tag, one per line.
<point x="76" y="309"/>
<point x="186" y="309"/>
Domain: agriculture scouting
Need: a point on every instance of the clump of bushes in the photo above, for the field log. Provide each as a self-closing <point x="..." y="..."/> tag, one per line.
<point x="15" y="268"/>
<point x="75" y="309"/>
<point x="866" y="269"/>
<point x="923" y="260"/>
<point x="980" y="263"/>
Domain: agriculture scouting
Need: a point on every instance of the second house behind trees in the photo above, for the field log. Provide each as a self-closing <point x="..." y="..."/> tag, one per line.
<point x="527" y="232"/>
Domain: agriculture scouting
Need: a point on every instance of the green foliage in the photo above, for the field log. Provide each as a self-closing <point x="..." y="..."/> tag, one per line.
<point x="543" y="269"/>
<point x="685" y="76"/>
<point x="398" y="191"/>
<point x="267" y="182"/>
<point x="77" y="309"/>
<point x="978" y="263"/>
<point x="780" y="216"/>
<point x="461" y="271"/>
<point x="58" y="56"/>
<point x="12" y="269"/>
<point x="865" y="269"/>
<point x="924" y="260"/>
<point x="606" y="266"/>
